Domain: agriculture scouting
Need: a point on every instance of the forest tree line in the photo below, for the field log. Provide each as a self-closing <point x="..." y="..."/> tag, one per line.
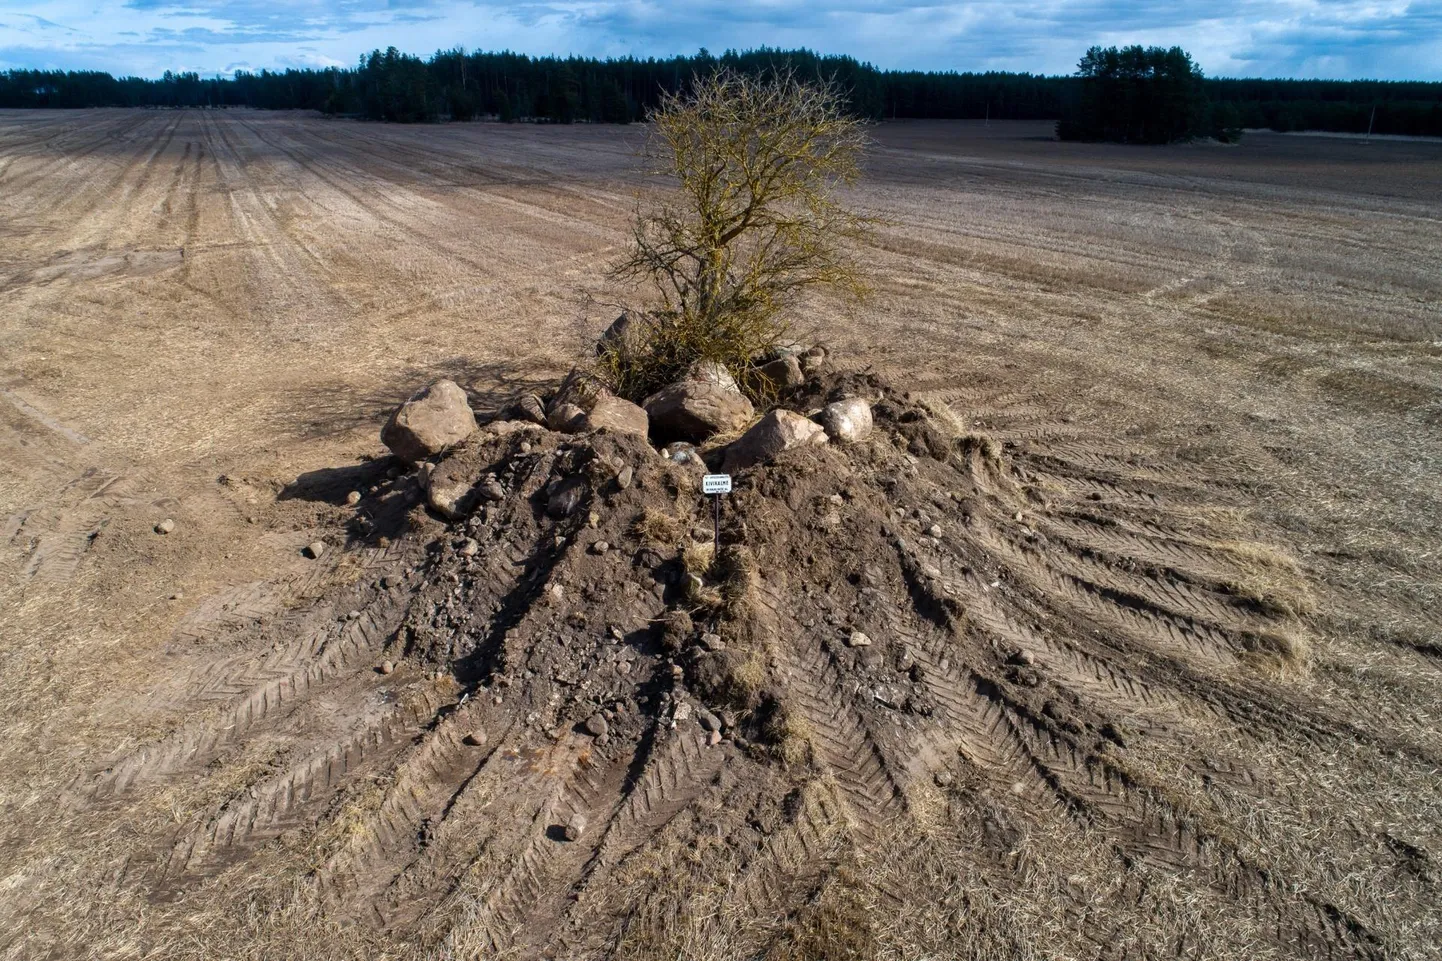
<point x="457" y="85"/>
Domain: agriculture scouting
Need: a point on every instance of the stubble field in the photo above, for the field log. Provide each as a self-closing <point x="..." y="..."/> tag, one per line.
<point x="1222" y="364"/>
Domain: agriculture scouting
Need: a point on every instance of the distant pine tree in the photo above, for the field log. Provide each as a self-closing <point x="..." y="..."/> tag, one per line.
<point x="1137" y="95"/>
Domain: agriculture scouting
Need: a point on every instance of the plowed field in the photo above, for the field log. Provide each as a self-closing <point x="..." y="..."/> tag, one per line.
<point x="1155" y="597"/>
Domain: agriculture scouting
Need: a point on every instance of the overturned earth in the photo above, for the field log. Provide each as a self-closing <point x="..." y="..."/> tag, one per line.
<point x="947" y="691"/>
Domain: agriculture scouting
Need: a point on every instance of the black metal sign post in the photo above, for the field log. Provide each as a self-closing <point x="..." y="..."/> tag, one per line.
<point x="716" y="485"/>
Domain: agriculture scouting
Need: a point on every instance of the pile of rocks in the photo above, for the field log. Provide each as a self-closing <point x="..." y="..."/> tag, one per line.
<point x="703" y="418"/>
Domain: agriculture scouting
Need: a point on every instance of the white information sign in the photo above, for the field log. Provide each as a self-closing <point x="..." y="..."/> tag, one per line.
<point x="716" y="484"/>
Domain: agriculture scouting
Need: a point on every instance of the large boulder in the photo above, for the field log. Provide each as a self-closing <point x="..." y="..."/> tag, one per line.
<point x="779" y="430"/>
<point x="621" y="416"/>
<point x="437" y="417"/>
<point x="705" y="402"/>
<point x="847" y="421"/>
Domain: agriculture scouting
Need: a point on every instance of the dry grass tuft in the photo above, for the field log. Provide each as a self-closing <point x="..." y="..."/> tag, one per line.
<point x="656" y="528"/>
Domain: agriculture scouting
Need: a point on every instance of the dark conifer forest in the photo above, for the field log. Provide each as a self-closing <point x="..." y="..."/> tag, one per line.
<point x="1108" y="98"/>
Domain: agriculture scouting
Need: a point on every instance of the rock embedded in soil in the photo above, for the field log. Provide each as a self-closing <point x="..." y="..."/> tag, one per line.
<point x="779" y="431"/>
<point x="476" y="738"/>
<point x="596" y="725"/>
<point x="353" y="498"/>
<point x="579" y="389"/>
<point x="314" y="549"/>
<point x="387" y="667"/>
<point x="858" y="639"/>
<point x="433" y="419"/>
<point x="847" y="421"/>
<point x="705" y="402"/>
<point x="530" y="409"/>
<point x="165" y="526"/>
<point x="600" y="547"/>
<point x="812" y="359"/>
<point x="623" y="479"/>
<point x="566" y="497"/>
<point x="566" y="418"/>
<point x="621" y="416"/>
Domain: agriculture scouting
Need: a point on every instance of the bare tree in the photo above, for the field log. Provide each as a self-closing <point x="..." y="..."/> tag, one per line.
<point x="754" y="220"/>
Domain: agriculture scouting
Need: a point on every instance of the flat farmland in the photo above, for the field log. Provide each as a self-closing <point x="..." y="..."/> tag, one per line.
<point x="207" y="315"/>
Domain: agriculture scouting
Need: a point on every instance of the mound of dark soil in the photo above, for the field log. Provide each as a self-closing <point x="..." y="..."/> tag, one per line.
<point x="560" y="724"/>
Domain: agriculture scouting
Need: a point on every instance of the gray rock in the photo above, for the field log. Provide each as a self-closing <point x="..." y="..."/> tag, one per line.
<point x="626" y="336"/>
<point x="705" y="402"/>
<point x="314" y="549"/>
<point x="387" y="667"/>
<point x="470" y="547"/>
<point x="778" y="431"/>
<point x="566" y="497"/>
<point x="566" y="418"/>
<point x="490" y="490"/>
<point x="783" y="373"/>
<point x="574" y="828"/>
<point x="713" y="642"/>
<point x="596" y="725"/>
<point x="623" y="479"/>
<point x="600" y="547"/>
<point x="165" y="526"/>
<point x="847" y="421"/>
<point x="579" y="388"/>
<point x="436" y="417"/>
<point x="353" y="498"/>
<point x="615" y="414"/>
<point x="530" y="409"/>
<point x="812" y="359"/>
<point x="708" y="720"/>
<point x="858" y="639"/>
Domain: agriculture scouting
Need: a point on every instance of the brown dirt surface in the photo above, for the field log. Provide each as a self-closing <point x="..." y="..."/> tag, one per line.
<point x="1144" y="545"/>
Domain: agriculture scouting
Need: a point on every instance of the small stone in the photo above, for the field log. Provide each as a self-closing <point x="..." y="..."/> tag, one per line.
<point x="623" y="479"/>
<point x="177" y="595"/>
<point x="713" y="739"/>
<point x="353" y="498"/>
<point x="387" y="667"/>
<point x="713" y="642"/>
<point x="677" y="673"/>
<point x="600" y="547"/>
<point x="165" y="526"/>
<point x="573" y="829"/>
<point x="596" y="725"/>
<point x="469" y="547"/>
<point x="934" y="530"/>
<point x="391" y="580"/>
<point x="1025" y="658"/>
<point x="491" y="491"/>
<point x="942" y="779"/>
<point x="476" y="738"/>
<point x="858" y="639"/>
<point x="708" y="720"/>
<point x="315" y="549"/>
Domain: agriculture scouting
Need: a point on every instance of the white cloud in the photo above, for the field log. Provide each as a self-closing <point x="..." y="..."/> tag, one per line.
<point x="1393" y="39"/>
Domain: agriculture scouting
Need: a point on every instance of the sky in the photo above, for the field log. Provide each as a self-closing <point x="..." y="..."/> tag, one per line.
<point x="1347" y="39"/>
